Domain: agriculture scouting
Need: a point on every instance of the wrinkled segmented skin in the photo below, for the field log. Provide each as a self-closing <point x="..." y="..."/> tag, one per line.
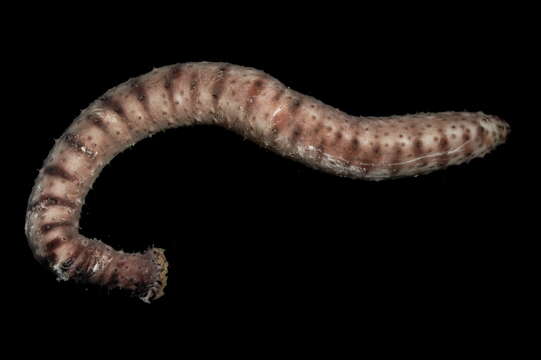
<point x="246" y="101"/>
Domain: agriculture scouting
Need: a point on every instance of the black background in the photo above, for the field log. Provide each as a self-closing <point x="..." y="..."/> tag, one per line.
<point x="258" y="242"/>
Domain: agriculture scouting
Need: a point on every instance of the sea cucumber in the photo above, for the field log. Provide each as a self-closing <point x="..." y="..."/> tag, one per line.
<point x="249" y="102"/>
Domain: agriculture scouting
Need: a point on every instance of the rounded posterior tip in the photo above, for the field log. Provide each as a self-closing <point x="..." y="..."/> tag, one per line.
<point x="497" y="127"/>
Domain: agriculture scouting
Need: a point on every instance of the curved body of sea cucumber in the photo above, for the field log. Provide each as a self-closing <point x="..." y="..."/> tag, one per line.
<point x="244" y="100"/>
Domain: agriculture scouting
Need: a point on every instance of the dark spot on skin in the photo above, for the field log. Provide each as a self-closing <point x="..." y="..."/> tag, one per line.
<point x="253" y="93"/>
<point x="481" y="133"/>
<point x="418" y="146"/>
<point x="58" y="171"/>
<point x="278" y="95"/>
<point x="297" y="131"/>
<point x="295" y="105"/>
<point x="466" y="137"/>
<point x="444" y="144"/>
<point x="176" y="71"/>
<point x="97" y="121"/>
<point x="354" y="144"/>
<point x="138" y="89"/>
<point x="219" y="83"/>
<point x="353" y="149"/>
<point x="317" y="128"/>
<point x="167" y="83"/>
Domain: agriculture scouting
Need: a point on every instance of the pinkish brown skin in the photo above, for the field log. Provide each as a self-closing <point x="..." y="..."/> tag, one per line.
<point x="251" y="103"/>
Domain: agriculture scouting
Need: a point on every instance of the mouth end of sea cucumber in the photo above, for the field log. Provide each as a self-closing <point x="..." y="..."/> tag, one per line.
<point x="157" y="289"/>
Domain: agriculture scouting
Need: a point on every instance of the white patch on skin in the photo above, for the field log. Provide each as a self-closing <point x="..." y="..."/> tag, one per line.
<point x="276" y="112"/>
<point x="432" y="155"/>
<point x="147" y="297"/>
<point x="335" y="163"/>
<point x="88" y="151"/>
<point x="60" y="274"/>
<point x="102" y="262"/>
<point x="307" y="151"/>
